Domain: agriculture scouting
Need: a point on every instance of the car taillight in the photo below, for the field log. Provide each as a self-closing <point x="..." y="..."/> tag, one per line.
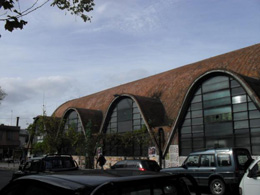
<point x="142" y="169"/>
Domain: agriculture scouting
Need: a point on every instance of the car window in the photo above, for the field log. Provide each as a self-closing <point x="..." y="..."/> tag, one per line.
<point x="132" y="164"/>
<point x="192" y="161"/>
<point x="151" y="165"/>
<point x="243" y="158"/>
<point x="32" y="165"/>
<point x="207" y="160"/>
<point x="224" y="160"/>
<point x="120" y="164"/>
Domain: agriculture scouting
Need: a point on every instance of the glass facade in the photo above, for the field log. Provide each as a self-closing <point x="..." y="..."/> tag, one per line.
<point x="125" y="117"/>
<point x="221" y="114"/>
<point x="73" y="122"/>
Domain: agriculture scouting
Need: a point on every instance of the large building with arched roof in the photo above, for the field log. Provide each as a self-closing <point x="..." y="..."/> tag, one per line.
<point x="210" y="103"/>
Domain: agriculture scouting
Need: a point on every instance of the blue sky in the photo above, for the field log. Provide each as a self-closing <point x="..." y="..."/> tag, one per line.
<point x="58" y="57"/>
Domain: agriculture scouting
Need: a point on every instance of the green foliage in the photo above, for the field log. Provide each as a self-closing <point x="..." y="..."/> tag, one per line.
<point x="13" y="17"/>
<point x="48" y="127"/>
<point x="127" y="139"/>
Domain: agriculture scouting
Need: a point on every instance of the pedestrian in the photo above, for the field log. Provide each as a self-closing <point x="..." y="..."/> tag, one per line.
<point x="101" y="161"/>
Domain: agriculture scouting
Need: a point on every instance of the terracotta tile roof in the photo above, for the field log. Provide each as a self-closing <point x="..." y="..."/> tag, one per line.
<point x="171" y="87"/>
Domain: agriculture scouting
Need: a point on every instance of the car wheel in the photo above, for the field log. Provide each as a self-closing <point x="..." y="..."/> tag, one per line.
<point x="217" y="187"/>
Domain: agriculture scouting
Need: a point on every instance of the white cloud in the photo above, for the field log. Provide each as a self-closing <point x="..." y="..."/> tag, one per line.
<point x="25" y="97"/>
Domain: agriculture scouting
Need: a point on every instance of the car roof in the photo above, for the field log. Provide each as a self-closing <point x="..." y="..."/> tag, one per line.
<point x="213" y="150"/>
<point x="74" y="182"/>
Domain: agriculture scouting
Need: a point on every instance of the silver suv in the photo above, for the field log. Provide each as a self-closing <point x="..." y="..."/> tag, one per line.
<point x="215" y="168"/>
<point x="141" y="165"/>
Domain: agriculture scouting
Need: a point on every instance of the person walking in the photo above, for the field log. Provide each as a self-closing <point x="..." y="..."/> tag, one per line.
<point x="101" y="161"/>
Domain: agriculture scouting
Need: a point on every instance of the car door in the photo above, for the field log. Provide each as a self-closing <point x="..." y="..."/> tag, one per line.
<point x="252" y="180"/>
<point x="206" y="168"/>
<point x="191" y="165"/>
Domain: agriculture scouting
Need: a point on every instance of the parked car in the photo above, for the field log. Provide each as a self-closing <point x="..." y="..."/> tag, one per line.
<point x="48" y="163"/>
<point x="250" y="183"/>
<point x="99" y="184"/>
<point x="142" y="165"/>
<point x="216" y="168"/>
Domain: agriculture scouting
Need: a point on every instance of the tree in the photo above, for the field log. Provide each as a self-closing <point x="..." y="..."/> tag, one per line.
<point x="13" y="16"/>
<point x="2" y="94"/>
<point x="48" y="128"/>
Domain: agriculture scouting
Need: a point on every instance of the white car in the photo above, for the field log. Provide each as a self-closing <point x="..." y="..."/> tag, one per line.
<point x="250" y="183"/>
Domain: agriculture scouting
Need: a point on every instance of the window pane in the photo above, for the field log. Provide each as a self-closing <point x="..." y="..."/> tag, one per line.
<point x="186" y="130"/>
<point x="242" y="141"/>
<point x="186" y="143"/>
<point x="239" y="107"/>
<point x="196" y="106"/>
<point x="217" y="129"/>
<point x="187" y="122"/>
<point x="124" y="115"/>
<point x="197" y="121"/>
<point x="124" y="104"/>
<point x="255" y="123"/>
<point x="234" y="83"/>
<point x="240" y="116"/>
<point x="136" y="110"/>
<point x="216" y="95"/>
<point x="214" y="111"/>
<point x="255" y="140"/>
<point x="241" y="131"/>
<point x="238" y="91"/>
<point x="196" y="98"/>
<point x="255" y="130"/>
<point x="218" y="118"/>
<point x="216" y="79"/>
<point x="241" y="124"/>
<point x="255" y="150"/>
<point x="254" y="114"/>
<point x="197" y="135"/>
<point x="137" y="122"/>
<point x="215" y="86"/>
<point x="124" y="126"/>
<point x="239" y="99"/>
<point x="113" y="119"/>
<point x="197" y="113"/>
<point x="137" y="116"/>
<point x="251" y="106"/>
<point x="198" y="91"/>
<point x="217" y="102"/>
<point x="185" y="151"/>
<point x="197" y="129"/>
<point x="198" y="143"/>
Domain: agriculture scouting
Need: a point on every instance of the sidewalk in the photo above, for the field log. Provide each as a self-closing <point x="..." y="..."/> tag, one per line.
<point x="10" y="166"/>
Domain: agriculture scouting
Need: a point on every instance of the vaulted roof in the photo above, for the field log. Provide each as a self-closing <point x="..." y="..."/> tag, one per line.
<point x="171" y="87"/>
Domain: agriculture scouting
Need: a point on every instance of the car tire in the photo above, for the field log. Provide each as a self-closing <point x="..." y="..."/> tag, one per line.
<point x="217" y="187"/>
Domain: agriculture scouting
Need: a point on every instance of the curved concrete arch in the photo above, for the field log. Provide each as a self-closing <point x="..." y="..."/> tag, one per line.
<point x="137" y="101"/>
<point x="67" y="113"/>
<point x="192" y="89"/>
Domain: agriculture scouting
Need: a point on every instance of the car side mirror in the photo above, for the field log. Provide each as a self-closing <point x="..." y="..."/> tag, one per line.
<point x="112" y="167"/>
<point x="184" y="166"/>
